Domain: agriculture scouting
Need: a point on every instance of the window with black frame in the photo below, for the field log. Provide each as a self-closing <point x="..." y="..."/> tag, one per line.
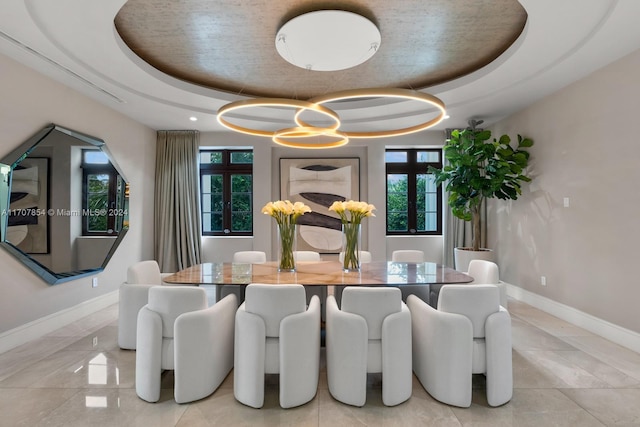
<point x="414" y="202"/>
<point x="226" y="192"/>
<point x="103" y="190"/>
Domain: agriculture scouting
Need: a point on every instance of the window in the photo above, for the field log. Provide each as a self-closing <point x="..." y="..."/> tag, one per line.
<point x="103" y="190"/>
<point x="414" y="202"/>
<point x="226" y="192"/>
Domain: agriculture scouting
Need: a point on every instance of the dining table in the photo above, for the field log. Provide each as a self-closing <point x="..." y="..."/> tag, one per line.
<point x="423" y="278"/>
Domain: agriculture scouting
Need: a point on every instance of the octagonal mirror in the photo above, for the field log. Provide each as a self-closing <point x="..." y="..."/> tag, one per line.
<point x="63" y="204"/>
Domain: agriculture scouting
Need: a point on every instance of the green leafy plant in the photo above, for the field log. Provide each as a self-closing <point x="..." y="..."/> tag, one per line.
<point x="479" y="168"/>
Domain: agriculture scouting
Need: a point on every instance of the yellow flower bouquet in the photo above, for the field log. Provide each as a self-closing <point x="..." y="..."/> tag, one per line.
<point x="351" y="214"/>
<point x="286" y="215"/>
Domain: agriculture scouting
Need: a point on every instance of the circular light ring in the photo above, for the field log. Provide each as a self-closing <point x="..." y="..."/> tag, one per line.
<point x="299" y="106"/>
<point x="309" y="132"/>
<point x="405" y="94"/>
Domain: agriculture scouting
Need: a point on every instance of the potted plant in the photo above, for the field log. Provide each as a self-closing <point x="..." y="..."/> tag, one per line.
<point x="478" y="168"/>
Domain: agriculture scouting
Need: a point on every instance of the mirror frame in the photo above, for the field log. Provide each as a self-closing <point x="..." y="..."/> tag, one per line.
<point x="12" y="160"/>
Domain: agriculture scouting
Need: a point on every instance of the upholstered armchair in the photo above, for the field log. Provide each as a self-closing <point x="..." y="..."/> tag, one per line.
<point x="277" y="334"/>
<point x="133" y="295"/>
<point x="487" y="273"/>
<point x="407" y="255"/>
<point x="177" y="331"/>
<point x="145" y="272"/>
<point x="469" y="333"/>
<point x="370" y="333"/>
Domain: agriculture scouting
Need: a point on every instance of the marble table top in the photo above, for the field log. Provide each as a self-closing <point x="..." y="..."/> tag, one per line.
<point x="321" y="273"/>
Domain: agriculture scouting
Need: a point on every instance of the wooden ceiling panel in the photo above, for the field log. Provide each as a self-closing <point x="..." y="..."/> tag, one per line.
<point x="230" y="45"/>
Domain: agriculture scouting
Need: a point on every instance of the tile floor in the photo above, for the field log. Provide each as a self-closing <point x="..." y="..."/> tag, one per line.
<point x="77" y="376"/>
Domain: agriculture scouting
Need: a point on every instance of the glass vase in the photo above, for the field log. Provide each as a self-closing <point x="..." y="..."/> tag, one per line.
<point x="287" y="237"/>
<point x="351" y="246"/>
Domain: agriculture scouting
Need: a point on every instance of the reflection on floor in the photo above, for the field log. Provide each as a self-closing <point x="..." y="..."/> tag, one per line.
<point x="77" y="376"/>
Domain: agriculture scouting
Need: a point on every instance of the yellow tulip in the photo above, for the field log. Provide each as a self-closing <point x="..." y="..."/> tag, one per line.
<point x="268" y="209"/>
<point x="279" y="206"/>
<point x="337" y="206"/>
<point x="300" y="208"/>
<point x="350" y="205"/>
<point x="284" y="211"/>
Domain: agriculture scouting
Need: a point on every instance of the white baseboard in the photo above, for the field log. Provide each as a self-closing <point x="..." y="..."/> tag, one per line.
<point x="45" y="325"/>
<point x="617" y="334"/>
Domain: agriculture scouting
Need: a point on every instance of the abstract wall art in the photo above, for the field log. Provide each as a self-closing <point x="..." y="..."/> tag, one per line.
<point x="318" y="182"/>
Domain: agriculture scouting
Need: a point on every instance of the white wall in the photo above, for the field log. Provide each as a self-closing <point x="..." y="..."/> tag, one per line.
<point x="372" y="184"/>
<point x="91" y="251"/>
<point x="29" y="102"/>
<point x="586" y="149"/>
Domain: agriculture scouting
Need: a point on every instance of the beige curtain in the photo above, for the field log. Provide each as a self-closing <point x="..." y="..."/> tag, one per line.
<point x="177" y="207"/>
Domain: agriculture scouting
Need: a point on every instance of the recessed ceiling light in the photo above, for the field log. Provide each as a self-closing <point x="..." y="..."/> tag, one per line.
<point x="446" y="116"/>
<point x="193" y="119"/>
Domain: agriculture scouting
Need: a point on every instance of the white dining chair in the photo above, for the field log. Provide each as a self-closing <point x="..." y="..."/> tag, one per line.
<point x="365" y="257"/>
<point x="276" y="333"/>
<point x="369" y="333"/>
<point x="176" y="331"/>
<point x="250" y="257"/>
<point x="487" y="273"/>
<point x="133" y="295"/>
<point x="469" y="333"/>
<point x="407" y="255"/>
<point x="243" y="257"/>
<point x="307" y="256"/>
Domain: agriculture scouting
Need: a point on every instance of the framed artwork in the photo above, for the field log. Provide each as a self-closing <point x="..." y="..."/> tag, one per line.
<point x="29" y="199"/>
<point x="318" y="182"/>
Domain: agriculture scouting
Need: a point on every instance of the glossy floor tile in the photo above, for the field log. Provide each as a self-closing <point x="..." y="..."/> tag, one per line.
<point x="77" y="376"/>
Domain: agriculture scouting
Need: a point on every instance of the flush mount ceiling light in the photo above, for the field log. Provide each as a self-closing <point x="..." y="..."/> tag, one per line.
<point x="328" y="40"/>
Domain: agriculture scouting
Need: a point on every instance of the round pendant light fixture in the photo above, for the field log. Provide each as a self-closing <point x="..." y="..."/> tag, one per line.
<point x="310" y="137"/>
<point x="299" y="106"/>
<point x="429" y="101"/>
<point x="325" y="41"/>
